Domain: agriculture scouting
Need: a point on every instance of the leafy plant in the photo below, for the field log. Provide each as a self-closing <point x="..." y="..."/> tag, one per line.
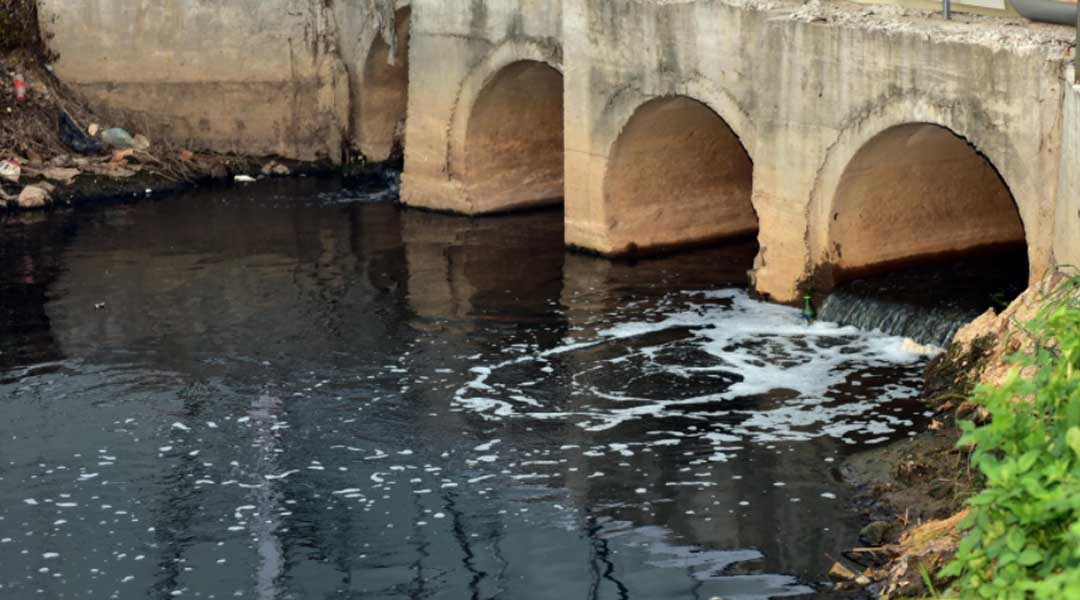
<point x="1023" y="537"/>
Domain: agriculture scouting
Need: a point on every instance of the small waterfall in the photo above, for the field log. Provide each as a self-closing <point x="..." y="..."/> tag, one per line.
<point x="935" y="325"/>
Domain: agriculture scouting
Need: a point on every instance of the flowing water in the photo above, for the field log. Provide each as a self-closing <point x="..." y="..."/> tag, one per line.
<point x="929" y="303"/>
<point x="291" y="391"/>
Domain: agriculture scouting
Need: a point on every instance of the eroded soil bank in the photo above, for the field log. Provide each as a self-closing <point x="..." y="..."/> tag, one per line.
<point x="56" y="150"/>
<point x="912" y="494"/>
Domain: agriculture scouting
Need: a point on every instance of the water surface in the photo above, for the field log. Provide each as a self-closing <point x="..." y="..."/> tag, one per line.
<point x="291" y="391"/>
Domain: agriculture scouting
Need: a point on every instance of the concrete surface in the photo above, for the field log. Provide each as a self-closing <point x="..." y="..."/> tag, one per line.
<point x="849" y="136"/>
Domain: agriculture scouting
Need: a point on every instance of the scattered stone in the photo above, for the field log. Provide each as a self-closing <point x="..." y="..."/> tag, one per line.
<point x="914" y="347"/>
<point x="839" y="572"/>
<point x="877" y="533"/>
<point x="219" y="171"/>
<point x="33" y="196"/>
<point x="63" y="175"/>
<point x="275" y="168"/>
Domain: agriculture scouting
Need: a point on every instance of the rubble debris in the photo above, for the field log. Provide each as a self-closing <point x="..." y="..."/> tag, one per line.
<point x="63" y="175"/>
<point x="275" y="168"/>
<point x="839" y="572"/>
<point x="33" y="196"/>
<point x="122" y="155"/>
<point x="116" y="170"/>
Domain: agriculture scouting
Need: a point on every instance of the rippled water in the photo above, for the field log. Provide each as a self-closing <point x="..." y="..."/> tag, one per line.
<point x="288" y="391"/>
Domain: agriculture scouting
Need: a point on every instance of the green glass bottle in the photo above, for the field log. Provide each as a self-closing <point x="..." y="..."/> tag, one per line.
<point x="809" y="312"/>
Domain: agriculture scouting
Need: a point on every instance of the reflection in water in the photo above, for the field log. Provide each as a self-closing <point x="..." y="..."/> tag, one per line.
<point x="292" y="392"/>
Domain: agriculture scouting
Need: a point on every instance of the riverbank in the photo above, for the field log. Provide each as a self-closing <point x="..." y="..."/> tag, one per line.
<point x="914" y="494"/>
<point x="55" y="150"/>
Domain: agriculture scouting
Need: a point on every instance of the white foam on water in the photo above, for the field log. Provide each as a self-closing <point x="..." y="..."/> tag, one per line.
<point x="786" y="374"/>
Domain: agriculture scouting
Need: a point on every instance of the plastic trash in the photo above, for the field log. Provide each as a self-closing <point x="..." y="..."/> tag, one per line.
<point x="118" y="138"/>
<point x="10" y="170"/>
<point x="244" y="179"/>
<point x="33" y="196"/>
<point x="20" y="87"/>
<point x="74" y="138"/>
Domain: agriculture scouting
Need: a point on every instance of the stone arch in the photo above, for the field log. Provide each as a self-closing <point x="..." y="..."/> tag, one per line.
<point x="506" y="135"/>
<point x="384" y="93"/>
<point x="914" y="181"/>
<point x="677" y="174"/>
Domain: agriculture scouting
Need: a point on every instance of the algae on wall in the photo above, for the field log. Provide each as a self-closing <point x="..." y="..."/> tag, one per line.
<point x="18" y="24"/>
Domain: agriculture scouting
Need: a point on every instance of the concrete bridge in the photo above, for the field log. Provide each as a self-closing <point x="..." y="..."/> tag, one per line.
<point x="847" y="138"/>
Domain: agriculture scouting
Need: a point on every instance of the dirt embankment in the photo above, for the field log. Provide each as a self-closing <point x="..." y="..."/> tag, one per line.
<point x="56" y="149"/>
<point x="913" y="493"/>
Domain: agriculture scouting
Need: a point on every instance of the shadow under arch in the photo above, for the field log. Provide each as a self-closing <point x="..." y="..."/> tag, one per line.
<point x="506" y="133"/>
<point x="971" y="129"/>
<point x="677" y="175"/>
<point x="913" y="193"/>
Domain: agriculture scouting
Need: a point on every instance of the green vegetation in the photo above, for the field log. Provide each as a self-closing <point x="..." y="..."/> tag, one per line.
<point x="18" y="24"/>
<point x="1023" y="538"/>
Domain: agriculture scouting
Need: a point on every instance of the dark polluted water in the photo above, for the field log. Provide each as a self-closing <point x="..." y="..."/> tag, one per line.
<point x="291" y="391"/>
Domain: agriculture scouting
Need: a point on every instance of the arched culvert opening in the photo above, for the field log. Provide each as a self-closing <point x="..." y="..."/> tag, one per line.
<point x="925" y="233"/>
<point x="384" y="96"/>
<point x="677" y="175"/>
<point x="514" y="141"/>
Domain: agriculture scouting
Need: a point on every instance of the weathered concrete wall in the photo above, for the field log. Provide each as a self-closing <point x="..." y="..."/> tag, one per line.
<point x="252" y="76"/>
<point x="662" y="122"/>
<point x="458" y="48"/>
<point x="805" y="88"/>
<point x="1067" y="220"/>
<point x="373" y="43"/>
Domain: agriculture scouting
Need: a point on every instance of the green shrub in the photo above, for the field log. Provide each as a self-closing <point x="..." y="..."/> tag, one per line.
<point x="1023" y="537"/>
<point x="18" y="24"/>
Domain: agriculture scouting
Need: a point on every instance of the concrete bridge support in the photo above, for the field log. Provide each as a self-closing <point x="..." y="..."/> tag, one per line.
<point x="847" y="145"/>
<point x="486" y="113"/>
<point x="848" y="138"/>
<point x="870" y="144"/>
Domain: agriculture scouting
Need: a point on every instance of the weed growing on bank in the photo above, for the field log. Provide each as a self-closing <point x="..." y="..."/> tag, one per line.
<point x="1023" y="538"/>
